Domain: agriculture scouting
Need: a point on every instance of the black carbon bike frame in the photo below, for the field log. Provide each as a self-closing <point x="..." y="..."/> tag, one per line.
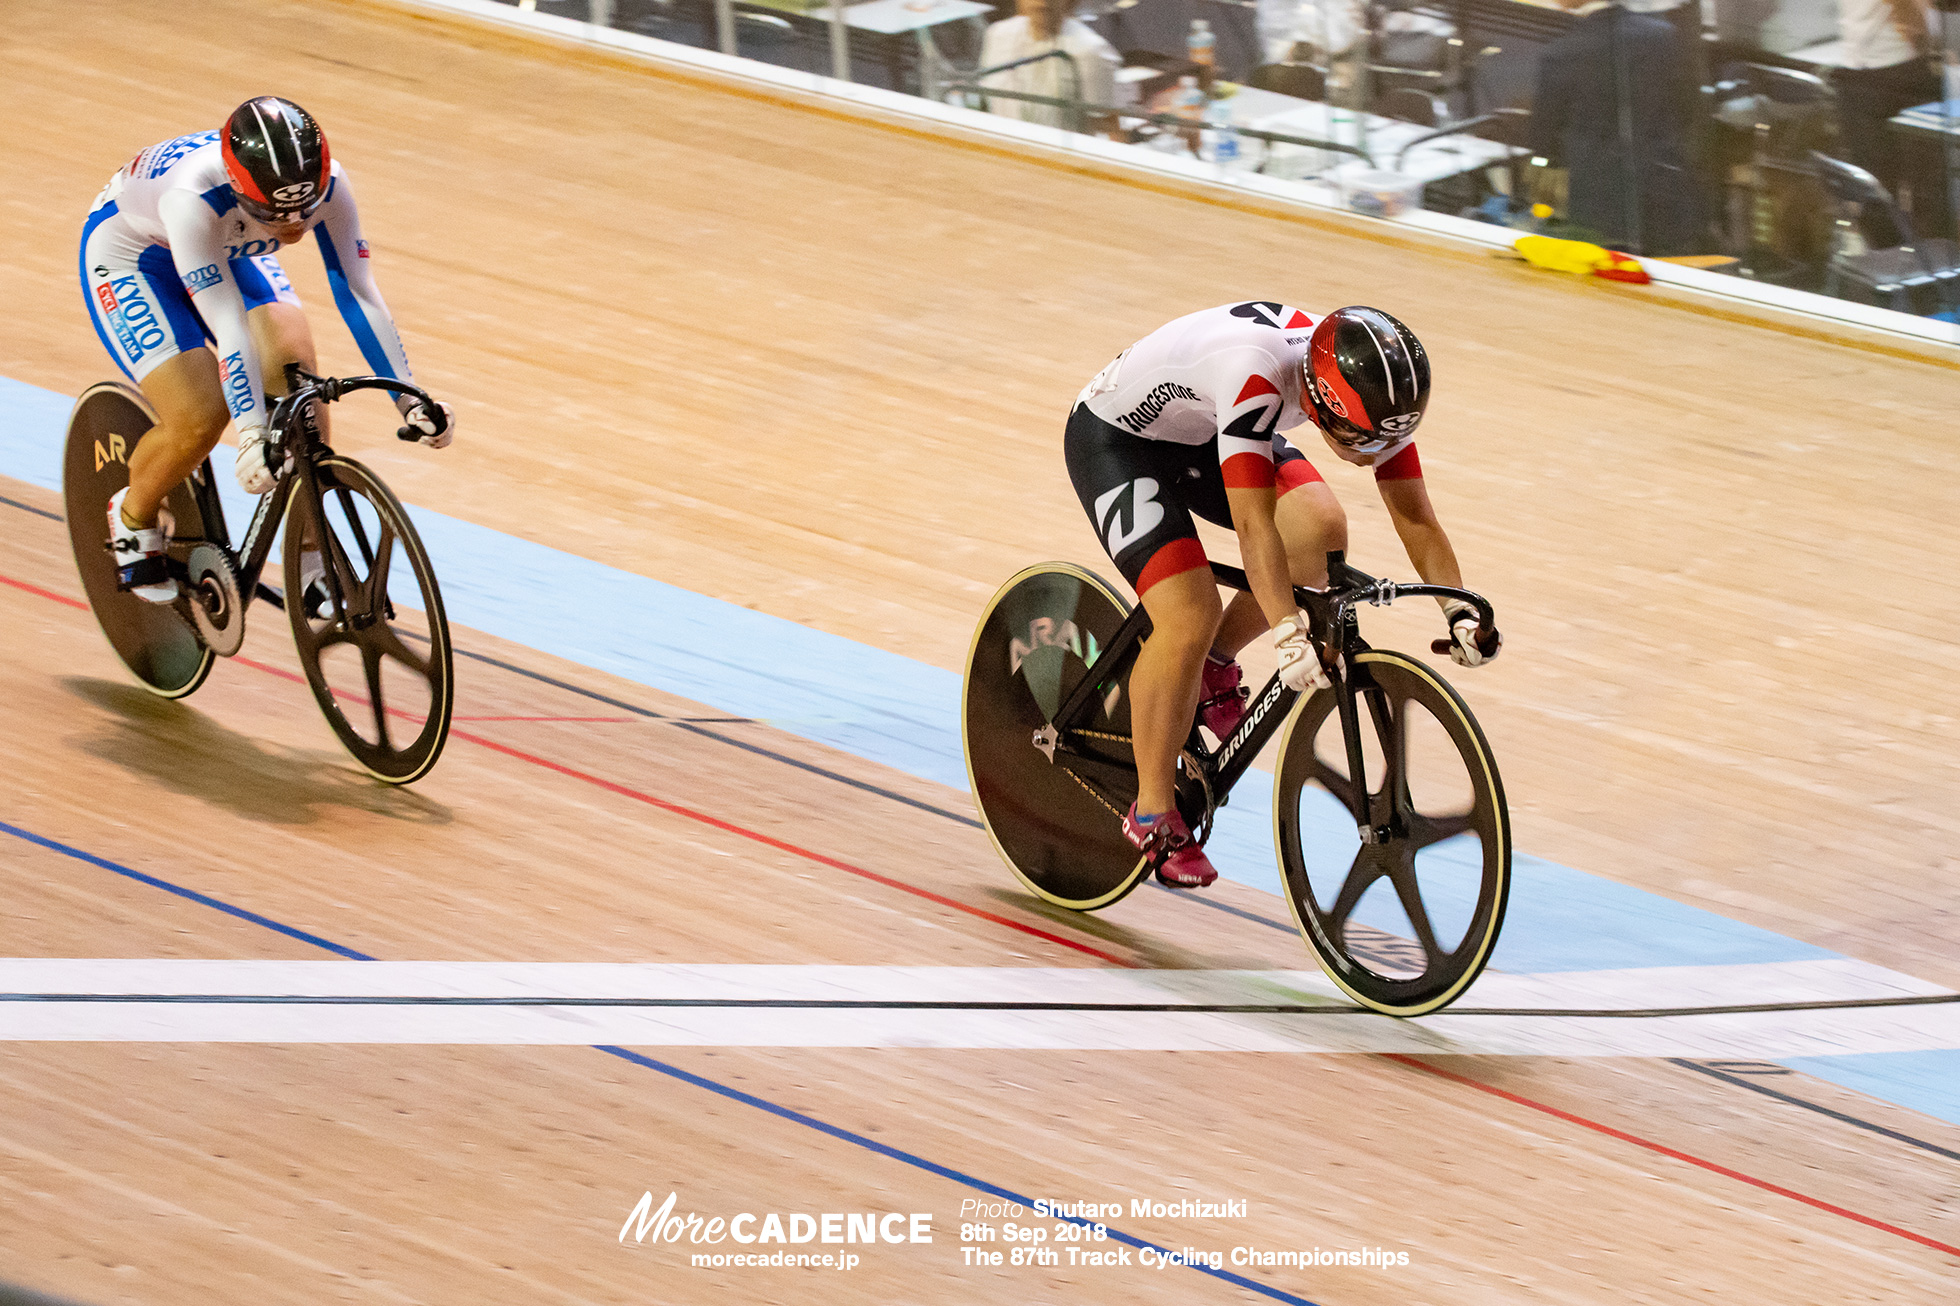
<point x="1336" y="631"/>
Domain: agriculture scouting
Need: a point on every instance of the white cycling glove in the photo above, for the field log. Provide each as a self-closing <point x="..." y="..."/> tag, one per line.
<point x="1299" y="659"/>
<point x="437" y="428"/>
<point x="253" y="474"/>
<point x="1465" y="649"/>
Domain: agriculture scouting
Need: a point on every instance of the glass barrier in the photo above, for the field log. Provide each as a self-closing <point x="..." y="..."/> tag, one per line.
<point x="1808" y="144"/>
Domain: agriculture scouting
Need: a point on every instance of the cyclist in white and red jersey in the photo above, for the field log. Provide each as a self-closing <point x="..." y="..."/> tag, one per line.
<point x="1187" y="421"/>
<point x="179" y="251"/>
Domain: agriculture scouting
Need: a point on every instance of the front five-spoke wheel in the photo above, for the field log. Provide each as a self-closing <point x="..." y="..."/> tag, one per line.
<point x="368" y="621"/>
<point x="1404" y="911"/>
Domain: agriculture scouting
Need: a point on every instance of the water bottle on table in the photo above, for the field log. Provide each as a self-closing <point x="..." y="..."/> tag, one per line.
<point x="1188" y="102"/>
<point x="1201" y="48"/>
<point x="1221" y="143"/>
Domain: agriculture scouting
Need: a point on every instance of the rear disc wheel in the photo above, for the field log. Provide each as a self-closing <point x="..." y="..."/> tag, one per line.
<point x="155" y="641"/>
<point x="1057" y="824"/>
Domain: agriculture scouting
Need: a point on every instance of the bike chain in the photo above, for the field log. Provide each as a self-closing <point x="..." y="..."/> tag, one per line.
<point x="1091" y="789"/>
<point x="1099" y="734"/>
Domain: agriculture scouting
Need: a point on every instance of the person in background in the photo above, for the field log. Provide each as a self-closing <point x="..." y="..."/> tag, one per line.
<point x="1645" y="200"/>
<point x="1087" y="73"/>
<point x="1887" y="68"/>
<point x="1318" y="32"/>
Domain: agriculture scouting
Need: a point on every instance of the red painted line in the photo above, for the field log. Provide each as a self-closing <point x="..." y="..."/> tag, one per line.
<point x="573" y="719"/>
<point x="770" y="841"/>
<point x="1670" y="1152"/>
<point x="41" y="593"/>
<point x="794" y="849"/>
<point x="296" y="678"/>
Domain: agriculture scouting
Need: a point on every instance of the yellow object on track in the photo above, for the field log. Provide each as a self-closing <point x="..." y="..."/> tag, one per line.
<point x="1580" y="257"/>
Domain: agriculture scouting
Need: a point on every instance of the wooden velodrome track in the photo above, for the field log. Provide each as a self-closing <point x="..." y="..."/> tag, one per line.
<point x="817" y="366"/>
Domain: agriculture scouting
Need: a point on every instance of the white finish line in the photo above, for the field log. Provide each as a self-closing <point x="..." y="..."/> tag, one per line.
<point x="535" y="1003"/>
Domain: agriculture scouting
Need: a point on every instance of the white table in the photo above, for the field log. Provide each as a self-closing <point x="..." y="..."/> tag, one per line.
<point x="891" y="17"/>
<point x="1383" y="138"/>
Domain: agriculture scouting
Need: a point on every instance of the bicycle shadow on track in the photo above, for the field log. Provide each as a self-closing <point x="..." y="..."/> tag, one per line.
<point x="185" y="751"/>
<point x="1153" y="950"/>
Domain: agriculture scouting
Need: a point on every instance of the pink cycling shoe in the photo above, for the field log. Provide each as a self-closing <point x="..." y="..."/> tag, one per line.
<point x="1173" y="853"/>
<point x="1221" y="697"/>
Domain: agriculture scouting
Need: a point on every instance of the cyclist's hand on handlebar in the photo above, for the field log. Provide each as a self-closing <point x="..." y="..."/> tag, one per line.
<point x="1299" y="659"/>
<point x="254" y="476"/>
<point x="434" y="428"/>
<point x="1465" y="646"/>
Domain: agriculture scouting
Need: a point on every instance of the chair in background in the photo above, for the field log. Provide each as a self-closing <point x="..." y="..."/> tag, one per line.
<point x="1892" y="277"/>
<point x="1420" y="68"/>
<point x="1408" y="104"/>
<point x="1303" y="81"/>
<point x="1509" y="127"/>
<point x="1783" y="110"/>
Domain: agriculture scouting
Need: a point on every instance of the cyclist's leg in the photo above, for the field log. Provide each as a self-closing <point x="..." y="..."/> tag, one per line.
<point x="1311" y="522"/>
<point x="145" y="320"/>
<point x="1184" y="612"/>
<point x="282" y="335"/>
<point x="191" y="415"/>
<point x="1135" y="491"/>
<point x="190" y="405"/>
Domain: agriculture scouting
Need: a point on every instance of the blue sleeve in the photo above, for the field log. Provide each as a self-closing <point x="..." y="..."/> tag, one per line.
<point x="359" y="300"/>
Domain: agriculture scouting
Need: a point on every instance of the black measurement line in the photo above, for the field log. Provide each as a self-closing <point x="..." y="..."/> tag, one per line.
<point x="1739" y="1081"/>
<point x="38" y="512"/>
<point x="698" y="726"/>
<point x="880" y="1004"/>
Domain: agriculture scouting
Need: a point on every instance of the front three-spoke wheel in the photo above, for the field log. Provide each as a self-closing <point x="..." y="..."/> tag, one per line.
<point x="1404" y="915"/>
<point x="368" y="624"/>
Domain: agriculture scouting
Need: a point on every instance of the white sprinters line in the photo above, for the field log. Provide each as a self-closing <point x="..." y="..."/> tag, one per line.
<point x="403" y="1020"/>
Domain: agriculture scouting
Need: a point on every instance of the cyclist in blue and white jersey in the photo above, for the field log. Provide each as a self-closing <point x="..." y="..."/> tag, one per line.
<point x="180" y="252"/>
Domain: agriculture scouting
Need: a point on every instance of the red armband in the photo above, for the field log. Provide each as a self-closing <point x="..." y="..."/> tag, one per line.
<point x="1404" y="466"/>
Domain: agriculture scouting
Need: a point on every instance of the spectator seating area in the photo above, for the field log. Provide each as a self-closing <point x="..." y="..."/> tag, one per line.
<point x="1740" y="143"/>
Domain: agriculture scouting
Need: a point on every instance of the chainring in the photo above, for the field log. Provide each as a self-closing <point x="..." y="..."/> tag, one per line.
<point x="216" y="608"/>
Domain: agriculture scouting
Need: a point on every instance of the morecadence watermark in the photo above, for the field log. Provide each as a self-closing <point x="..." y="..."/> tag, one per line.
<point x="864" y="1228"/>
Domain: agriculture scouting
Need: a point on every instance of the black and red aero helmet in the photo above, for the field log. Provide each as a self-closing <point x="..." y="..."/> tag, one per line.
<point x="277" y="160"/>
<point x="1367" y="379"/>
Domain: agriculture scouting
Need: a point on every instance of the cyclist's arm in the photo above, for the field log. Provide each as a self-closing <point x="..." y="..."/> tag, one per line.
<point x="1407" y="499"/>
<point x="1245" y="462"/>
<point x="349" y="273"/>
<point x="1262" y="551"/>
<point x="197" y="247"/>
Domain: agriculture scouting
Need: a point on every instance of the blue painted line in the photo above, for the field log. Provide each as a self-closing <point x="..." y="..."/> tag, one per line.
<point x="905" y="715"/>
<point x="1928" y="1082"/>
<point x="674" y="1072"/>
<point x="932" y="1167"/>
<point x="202" y="899"/>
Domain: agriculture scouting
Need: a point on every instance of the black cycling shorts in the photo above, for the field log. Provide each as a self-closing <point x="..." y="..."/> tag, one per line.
<point x="1140" y="496"/>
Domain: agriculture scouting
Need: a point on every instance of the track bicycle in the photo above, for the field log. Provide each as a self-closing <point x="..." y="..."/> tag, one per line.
<point x="1393" y="838"/>
<point x="375" y="651"/>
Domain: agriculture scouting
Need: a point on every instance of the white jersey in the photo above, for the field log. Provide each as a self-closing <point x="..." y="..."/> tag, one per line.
<point x="175" y="196"/>
<point x="1232" y="372"/>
